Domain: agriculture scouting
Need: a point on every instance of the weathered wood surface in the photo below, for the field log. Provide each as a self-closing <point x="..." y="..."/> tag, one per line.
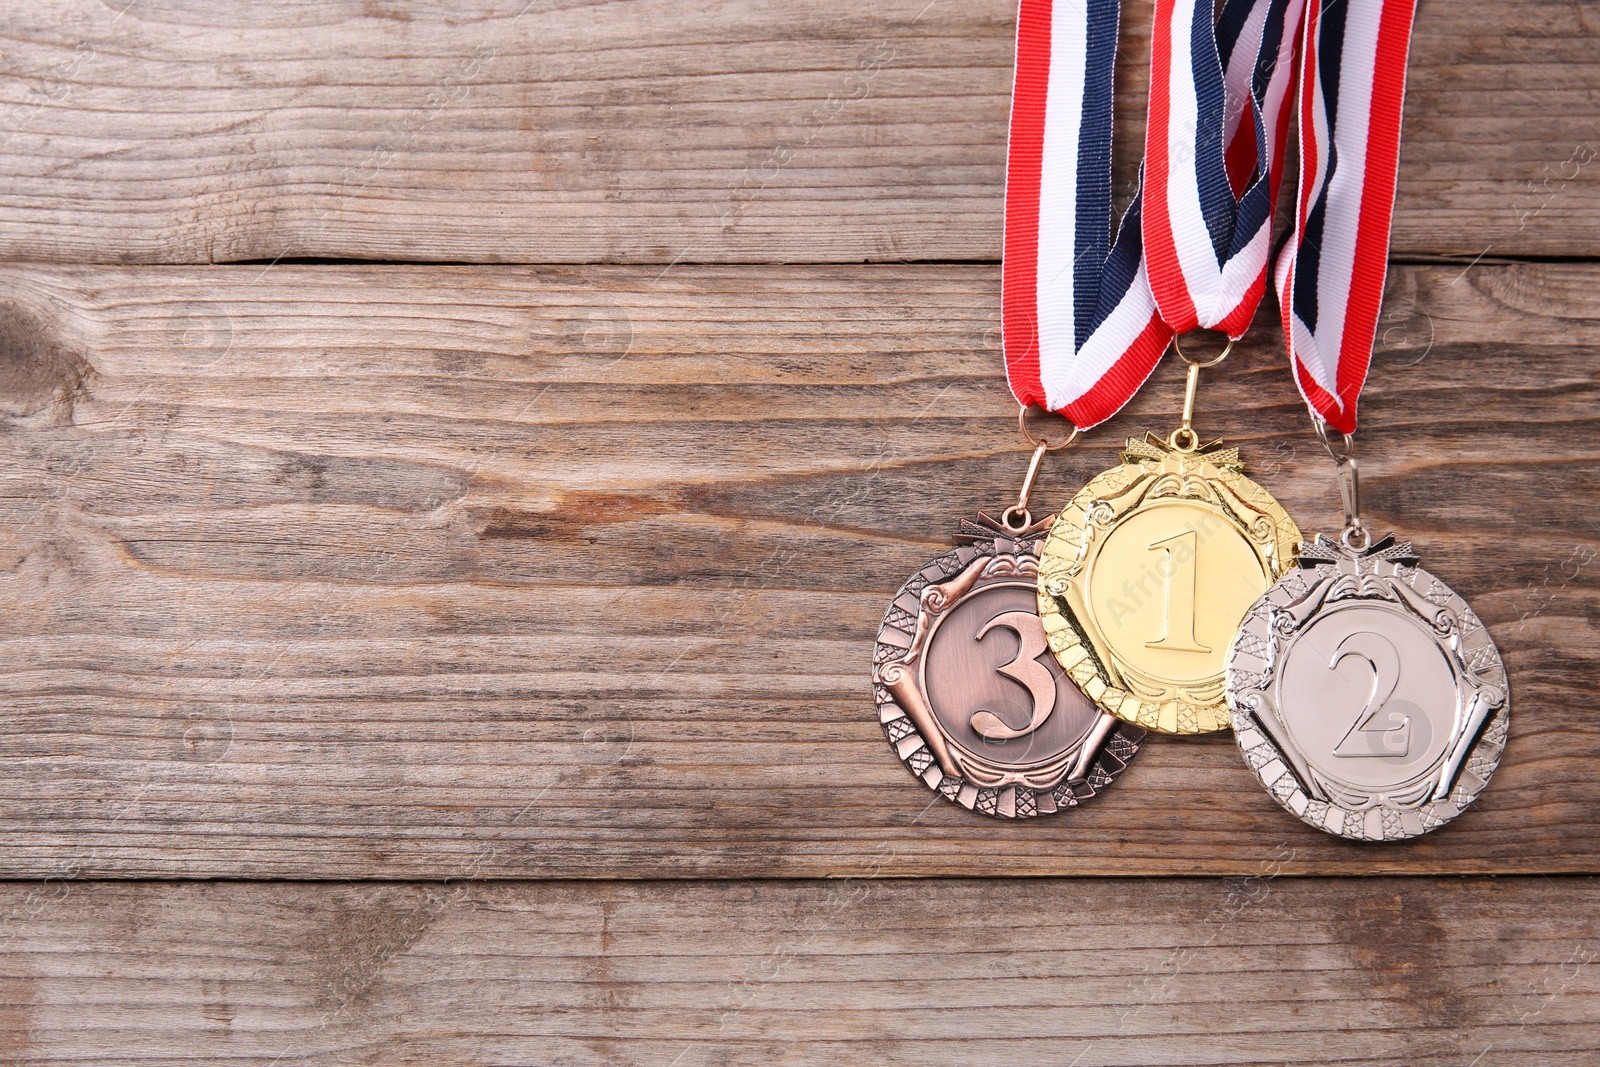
<point x="667" y="130"/>
<point x="1393" y="972"/>
<point x="453" y="573"/>
<point x="406" y="572"/>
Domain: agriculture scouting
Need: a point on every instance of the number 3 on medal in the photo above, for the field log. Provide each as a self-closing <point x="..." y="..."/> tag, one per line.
<point x="1025" y="669"/>
<point x="1181" y="550"/>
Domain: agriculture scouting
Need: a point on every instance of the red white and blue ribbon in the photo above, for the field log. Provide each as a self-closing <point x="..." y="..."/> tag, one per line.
<point x="1080" y="323"/>
<point x="1214" y="151"/>
<point x="1086" y="319"/>
<point x="1330" y="276"/>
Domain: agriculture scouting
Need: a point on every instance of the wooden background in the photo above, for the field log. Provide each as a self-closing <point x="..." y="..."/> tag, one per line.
<point x="457" y="456"/>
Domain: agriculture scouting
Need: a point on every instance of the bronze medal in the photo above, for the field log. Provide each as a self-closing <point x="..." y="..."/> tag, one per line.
<point x="969" y="695"/>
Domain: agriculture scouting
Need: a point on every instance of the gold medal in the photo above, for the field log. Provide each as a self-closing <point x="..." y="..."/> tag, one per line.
<point x="1148" y="572"/>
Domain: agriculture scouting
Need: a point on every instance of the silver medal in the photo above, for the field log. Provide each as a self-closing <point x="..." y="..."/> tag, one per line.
<point x="1366" y="695"/>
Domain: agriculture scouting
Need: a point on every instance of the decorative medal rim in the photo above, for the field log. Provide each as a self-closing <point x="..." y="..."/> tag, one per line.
<point x="1117" y="742"/>
<point x="1170" y="713"/>
<point x="1386" y="575"/>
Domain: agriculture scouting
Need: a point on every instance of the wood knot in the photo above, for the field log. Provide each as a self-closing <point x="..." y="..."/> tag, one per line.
<point x="37" y="369"/>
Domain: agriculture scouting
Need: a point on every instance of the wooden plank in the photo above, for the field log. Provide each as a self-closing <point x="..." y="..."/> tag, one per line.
<point x="1401" y="972"/>
<point x="395" y="572"/>
<point x="665" y="130"/>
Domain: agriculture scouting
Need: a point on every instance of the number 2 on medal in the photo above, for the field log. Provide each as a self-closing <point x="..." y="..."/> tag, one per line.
<point x="1026" y="670"/>
<point x="1181" y="550"/>
<point x="1364" y="738"/>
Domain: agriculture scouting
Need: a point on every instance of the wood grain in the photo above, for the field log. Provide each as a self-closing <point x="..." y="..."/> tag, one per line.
<point x="177" y="131"/>
<point x="404" y="572"/>
<point x="1381" y="973"/>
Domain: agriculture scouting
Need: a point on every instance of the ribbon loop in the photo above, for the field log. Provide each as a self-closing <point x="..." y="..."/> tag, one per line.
<point x="1080" y="324"/>
<point x="1086" y="317"/>
<point x="1330" y="277"/>
<point x="1214" y="150"/>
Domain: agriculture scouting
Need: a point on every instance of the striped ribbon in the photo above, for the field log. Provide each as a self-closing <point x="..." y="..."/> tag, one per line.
<point x="1086" y="318"/>
<point x="1214" y="155"/>
<point x="1079" y="321"/>
<point x="1330" y="276"/>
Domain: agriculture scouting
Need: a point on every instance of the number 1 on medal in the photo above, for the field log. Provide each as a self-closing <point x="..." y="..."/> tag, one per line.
<point x="1179" y="635"/>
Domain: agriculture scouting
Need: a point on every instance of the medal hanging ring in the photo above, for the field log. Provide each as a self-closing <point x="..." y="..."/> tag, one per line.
<point x="1184" y="439"/>
<point x="1017" y="517"/>
<point x="1044" y="442"/>
<point x="1342" y="447"/>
